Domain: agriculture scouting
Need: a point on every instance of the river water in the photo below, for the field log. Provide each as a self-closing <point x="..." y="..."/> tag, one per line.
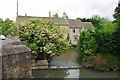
<point x="67" y="66"/>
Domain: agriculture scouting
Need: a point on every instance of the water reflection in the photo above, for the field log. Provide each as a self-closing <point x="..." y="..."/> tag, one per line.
<point x="63" y="73"/>
<point x="73" y="73"/>
<point x="90" y="73"/>
<point x="68" y="60"/>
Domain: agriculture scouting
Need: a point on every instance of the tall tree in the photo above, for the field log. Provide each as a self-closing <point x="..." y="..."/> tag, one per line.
<point x="56" y="15"/>
<point x="1" y="22"/>
<point x="116" y="35"/>
<point x="116" y="15"/>
<point x="8" y="27"/>
<point x="96" y="20"/>
<point x="101" y="21"/>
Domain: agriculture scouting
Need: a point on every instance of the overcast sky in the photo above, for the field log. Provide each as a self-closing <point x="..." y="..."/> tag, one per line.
<point x="73" y="8"/>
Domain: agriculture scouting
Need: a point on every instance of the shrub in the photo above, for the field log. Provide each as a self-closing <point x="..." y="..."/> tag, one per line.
<point x="99" y="48"/>
<point x="102" y="62"/>
<point x="86" y="44"/>
<point x="38" y="30"/>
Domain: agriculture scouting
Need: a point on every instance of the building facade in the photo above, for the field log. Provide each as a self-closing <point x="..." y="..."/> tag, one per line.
<point x="72" y="26"/>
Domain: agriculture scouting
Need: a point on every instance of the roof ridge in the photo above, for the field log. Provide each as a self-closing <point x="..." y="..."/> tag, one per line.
<point x="39" y="17"/>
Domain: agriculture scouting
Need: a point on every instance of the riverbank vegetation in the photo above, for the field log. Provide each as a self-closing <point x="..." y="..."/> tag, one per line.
<point x="99" y="48"/>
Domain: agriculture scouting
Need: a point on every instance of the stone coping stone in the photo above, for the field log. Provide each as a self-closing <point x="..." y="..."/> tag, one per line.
<point x="39" y="67"/>
<point x="10" y="49"/>
<point x="40" y="63"/>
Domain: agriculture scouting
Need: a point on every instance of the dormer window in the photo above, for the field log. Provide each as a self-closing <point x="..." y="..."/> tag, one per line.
<point x="73" y="30"/>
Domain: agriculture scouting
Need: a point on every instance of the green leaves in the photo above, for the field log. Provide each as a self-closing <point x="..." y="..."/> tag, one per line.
<point x="38" y="30"/>
<point x="86" y="43"/>
<point x="116" y="14"/>
<point x="97" y="21"/>
<point x="8" y="27"/>
<point x="98" y="49"/>
<point x="109" y="27"/>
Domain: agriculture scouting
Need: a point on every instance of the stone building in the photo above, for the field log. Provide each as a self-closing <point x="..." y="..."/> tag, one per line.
<point x="72" y="26"/>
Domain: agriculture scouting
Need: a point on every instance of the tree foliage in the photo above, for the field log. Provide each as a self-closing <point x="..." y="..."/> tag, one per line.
<point x="95" y="46"/>
<point x="109" y="27"/>
<point x="1" y="22"/>
<point x="116" y="15"/>
<point x="56" y="15"/>
<point x="101" y="46"/>
<point x="85" y="44"/>
<point x="8" y="27"/>
<point x="97" y="21"/>
<point x="116" y="34"/>
<point x="38" y="30"/>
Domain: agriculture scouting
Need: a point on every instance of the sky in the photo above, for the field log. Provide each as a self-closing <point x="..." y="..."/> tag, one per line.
<point x="73" y="8"/>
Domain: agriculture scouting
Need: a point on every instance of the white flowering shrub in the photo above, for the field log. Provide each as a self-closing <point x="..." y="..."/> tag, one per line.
<point x="37" y="30"/>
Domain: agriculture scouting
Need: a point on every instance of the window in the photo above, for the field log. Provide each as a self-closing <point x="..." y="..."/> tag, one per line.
<point x="75" y="37"/>
<point x="73" y="30"/>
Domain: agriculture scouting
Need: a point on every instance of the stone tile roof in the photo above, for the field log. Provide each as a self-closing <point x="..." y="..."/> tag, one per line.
<point x="72" y="23"/>
<point x="88" y="25"/>
<point x="58" y="21"/>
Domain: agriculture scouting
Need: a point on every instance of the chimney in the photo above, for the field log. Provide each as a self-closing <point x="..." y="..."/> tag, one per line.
<point x="64" y="15"/>
<point x="17" y="10"/>
<point x="49" y="13"/>
<point x="25" y="14"/>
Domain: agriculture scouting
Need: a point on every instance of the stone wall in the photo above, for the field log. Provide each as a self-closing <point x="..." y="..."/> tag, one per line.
<point x="16" y="61"/>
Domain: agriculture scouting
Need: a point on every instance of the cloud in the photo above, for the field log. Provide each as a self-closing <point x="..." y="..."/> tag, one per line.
<point x="74" y="8"/>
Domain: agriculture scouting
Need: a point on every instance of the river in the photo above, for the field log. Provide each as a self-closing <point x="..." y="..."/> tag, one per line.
<point x="67" y="65"/>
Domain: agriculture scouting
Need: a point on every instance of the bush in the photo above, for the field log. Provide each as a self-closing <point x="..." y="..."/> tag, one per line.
<point x="46" y="32"/>
<point x="86" y="44"/>
<point x="98" y="49"/>
<point x="102" y="63"/>
<point x="104" y="41"/>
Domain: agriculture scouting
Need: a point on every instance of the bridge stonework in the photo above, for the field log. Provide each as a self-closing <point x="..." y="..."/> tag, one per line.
<point x="16" y="61"/>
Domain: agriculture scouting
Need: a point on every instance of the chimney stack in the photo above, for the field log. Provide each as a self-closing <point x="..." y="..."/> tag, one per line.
<point x="25" y="14"/>
<point x="17" y="9"/>
<point x="49" y="13"/>
<point x="64" y="15"/>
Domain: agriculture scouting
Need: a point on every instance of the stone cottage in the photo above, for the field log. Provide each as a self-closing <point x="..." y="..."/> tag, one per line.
<point x="72" y="26"/>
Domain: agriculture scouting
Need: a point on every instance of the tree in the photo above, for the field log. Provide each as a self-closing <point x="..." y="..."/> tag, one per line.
<point x="116" y="34"/>
<point x="97" y="21"/>
<point x="56" y="15"/>
<point x="1" y="22"/>
<point x="109" y="27"/>
<point x="101" y="21"/>
<point x="38" y="30"/>
<point x="116" y="15"/>
<point x="86" y="44"/>
<point x="8" y="27"/>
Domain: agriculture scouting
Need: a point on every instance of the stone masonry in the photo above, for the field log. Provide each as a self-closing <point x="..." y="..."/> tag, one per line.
<point x="16" y="61"/>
